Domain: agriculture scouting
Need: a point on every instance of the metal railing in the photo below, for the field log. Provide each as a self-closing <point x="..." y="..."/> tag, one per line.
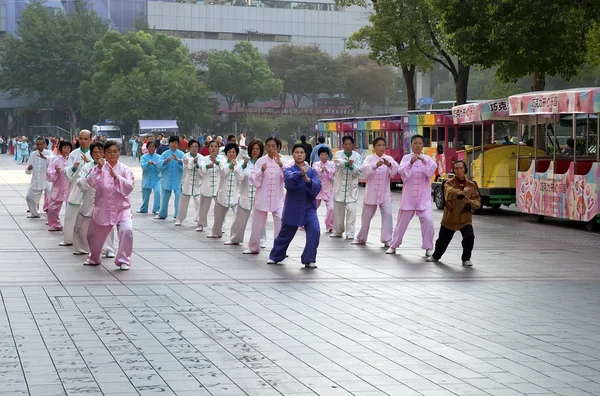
<point x="50" y="130"/>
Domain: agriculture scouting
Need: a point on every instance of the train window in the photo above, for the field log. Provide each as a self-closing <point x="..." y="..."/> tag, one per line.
<point x="334" y="140"/>
<point x="465" y="137"/>
<point x="438" y="134"/>
<point x="427" y="136"/>
<point x="451" y="137"/>
<point x="394" y="139"/>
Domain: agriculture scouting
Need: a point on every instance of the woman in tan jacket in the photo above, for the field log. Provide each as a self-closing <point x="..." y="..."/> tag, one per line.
<point x="462" y="199"/>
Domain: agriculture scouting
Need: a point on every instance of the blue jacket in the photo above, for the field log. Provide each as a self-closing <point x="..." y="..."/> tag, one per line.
<point x="172" y="171"/>
<point x="300" y="200"/>
<point x="151" y="173"/>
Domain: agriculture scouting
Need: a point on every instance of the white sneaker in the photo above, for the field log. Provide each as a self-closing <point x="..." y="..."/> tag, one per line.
<point x="33" y="217"/>
<point x="428" y="252"/>
<point x="431" y="259"/>
<point x="213" y="236"/>
<point x="230" y="242"/>
<point x="263" y="245"/>
<point x="177" y="223"/>
<point x="390" y="251"/>
<point x="334" y="235"/>
<point x="65" y="244"/>
<point x="310" y="265"/>
<point x="269" y="261"/>
<point x="200" y="228"/>
<point x="358" y="242"/>
<point x="349" y="236"/>
<point x="467" y="263"/>
<point x="110" y="255"/>
<point x="124" y="267"/>
<point x="249" y="251"/>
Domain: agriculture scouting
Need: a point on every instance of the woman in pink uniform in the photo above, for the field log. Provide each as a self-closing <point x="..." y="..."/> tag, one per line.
<point x="267" y="177"/>
<point x="416" y="170"/>
<point x="113" y="182"/>
<point x="60" y="185"/>
<point x="378" y="169"/>
<point x="326" y="170"/>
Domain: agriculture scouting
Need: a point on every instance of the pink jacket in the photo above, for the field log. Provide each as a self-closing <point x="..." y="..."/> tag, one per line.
<point x="112" y="204"/>
<point x="377" y="189"/>
<point x="269" y="185"/>
<point x="416" y="179"/>
<point x="60" y="183"/>
<point x="326" y="178"/>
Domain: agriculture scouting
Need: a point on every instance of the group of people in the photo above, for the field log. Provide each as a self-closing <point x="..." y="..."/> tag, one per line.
<point x="95" y="188"/>
<point x="248" y="180"/>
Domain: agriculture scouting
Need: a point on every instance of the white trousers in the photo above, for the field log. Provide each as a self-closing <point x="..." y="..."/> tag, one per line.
<point x="33" y="198"/>
<point x="184" y="203"/>
<point x="80" y="243"/>
<point x="259" y="221"/>
<point x="203" y="210"/>
<point x="219" y="220"/>
<point x="343" y="211"/>
<point x="71" y="213"/>
<point x="238" y="228"/>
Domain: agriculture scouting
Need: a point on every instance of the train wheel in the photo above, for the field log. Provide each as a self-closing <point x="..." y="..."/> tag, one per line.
<point x="438" y="197"/>
<point x="538" y="218"/>
<point x="591" y="225"/>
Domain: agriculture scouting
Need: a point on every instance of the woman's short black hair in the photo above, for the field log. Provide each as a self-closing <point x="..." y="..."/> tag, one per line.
<point x="111" y="143"/>
<point x="276" y="140"/>
<point x="230" y="146"/>
<point x="323" y="150"/>
<point x="377" y="140"/>
<point x="347" y="137"/>
<point x="417" y="137"/>
<point x="261" y="147"/>
<point x="299" y="145"/>
<point x="192" y="142"/>
<point x="174" y="139"/>
<point x="100" y="145"/>
<point x="63" y="144"/>
<point x="151" y="142"/>
<point x="460" y="161"/>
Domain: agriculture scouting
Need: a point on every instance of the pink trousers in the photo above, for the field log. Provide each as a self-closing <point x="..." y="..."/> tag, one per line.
<point x="329" y="215"/>
<point x="368" y="211"/>
<point x="259" y="221"/>
<point x="427" y="230"/>
<point x="54" y="213"/>
<point x="97" y="235"/>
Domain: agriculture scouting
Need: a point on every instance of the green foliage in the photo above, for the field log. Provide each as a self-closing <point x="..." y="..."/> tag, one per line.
<point x="294" y="125"/>
<point x="519" y="37"/>
<point x="260" y="126"/>
<point x="305" y="70"/>
<point x="50" y="56"/>
<point x="142" y="75"/>
<point x="366" y="81"/>
<point x="242" y="75"/>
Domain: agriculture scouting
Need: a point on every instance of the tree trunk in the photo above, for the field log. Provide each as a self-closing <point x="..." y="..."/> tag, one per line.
<point x="409" y="79"/>
<point x="539" y="81"/>
<point x="461" y="83"/>
<point x="230" y="102"/>
<point x="73" y="120"/>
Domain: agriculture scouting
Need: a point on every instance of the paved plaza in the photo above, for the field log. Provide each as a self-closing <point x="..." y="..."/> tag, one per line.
<point x="196" y="318"/>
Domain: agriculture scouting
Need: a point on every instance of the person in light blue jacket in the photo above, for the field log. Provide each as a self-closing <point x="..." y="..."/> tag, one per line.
<point x="150" y="178"/>
<point x="134" y="147"/>
<point x="171" y="166"/>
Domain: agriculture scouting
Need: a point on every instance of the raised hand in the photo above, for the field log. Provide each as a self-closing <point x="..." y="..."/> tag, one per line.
<point x="84" y="158"/>
<point x="350" y="162"/>
<point x="379" y="163"/>
<point x="101" y="162"/>
<point x="263" y="167"/>
<point x="30" y="167"/>
<point x="167" y="160"/>
<point x="246" y="160"/>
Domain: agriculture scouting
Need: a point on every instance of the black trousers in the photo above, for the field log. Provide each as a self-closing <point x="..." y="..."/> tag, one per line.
<point x="445" y="237"/>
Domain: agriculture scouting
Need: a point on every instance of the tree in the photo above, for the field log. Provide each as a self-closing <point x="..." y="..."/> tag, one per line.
<point x="305" y="70"/>
<point x="200" y="61"/>
<point x="534" y="37"/>
<point x="242" y="75"/>
<point x="390" y="42"/>
<point x="50" y="56"/>
<point x="143" y="75"/>
<point x="367" y="82"/>
<point x="415" y="37"/>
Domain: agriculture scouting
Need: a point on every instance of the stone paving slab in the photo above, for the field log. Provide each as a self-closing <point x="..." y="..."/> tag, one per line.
<point x="194" y="317"/>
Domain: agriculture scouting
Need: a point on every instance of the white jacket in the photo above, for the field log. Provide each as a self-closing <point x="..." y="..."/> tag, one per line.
<point x="345" y="180"/>
<point x="89" y="193"/>
<point x="38" y="172"/>
<point x="75" y="194"/>
<point x="211" y="177"/>
<point x="229" y="187"/>
<point x="247" y="189"/>
<point x="192" y="175"/>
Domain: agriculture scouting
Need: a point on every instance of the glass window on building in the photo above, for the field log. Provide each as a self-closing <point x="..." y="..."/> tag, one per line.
<point x="2" y="18"/>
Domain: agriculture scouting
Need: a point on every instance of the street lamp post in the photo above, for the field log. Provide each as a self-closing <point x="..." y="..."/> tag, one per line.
<point x="387" y="100"/>
<point x="344" y="39"/>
